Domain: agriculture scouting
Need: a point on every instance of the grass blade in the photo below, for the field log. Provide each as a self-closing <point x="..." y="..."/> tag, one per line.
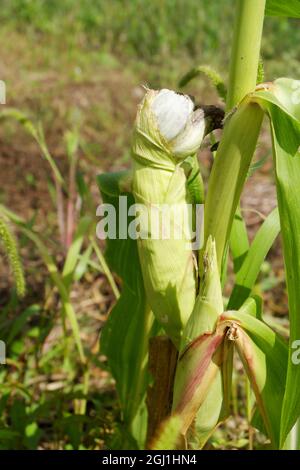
<point x="75" y="249"/>
<point x="105" y="268"/>
<point x="55" y="275"/>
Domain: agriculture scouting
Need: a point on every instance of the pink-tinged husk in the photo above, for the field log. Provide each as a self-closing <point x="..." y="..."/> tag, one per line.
<point x="197" y="368"/>
<point x="198" y="386"/>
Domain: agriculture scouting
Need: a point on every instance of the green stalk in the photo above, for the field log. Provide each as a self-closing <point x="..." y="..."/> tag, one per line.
<point x="245" y="50"/>
<point x="243" y="76"/>
<point x="241" y="130"/>
<point x="229" y="173"/>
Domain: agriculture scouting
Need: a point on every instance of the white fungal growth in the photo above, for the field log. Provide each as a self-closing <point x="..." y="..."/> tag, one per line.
<point x="178" y="123"/>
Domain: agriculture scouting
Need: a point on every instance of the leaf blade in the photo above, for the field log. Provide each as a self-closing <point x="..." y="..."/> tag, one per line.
<point x="129" y="319"/>
<point x="289" y="8"/>
<point x="250" y="268"/>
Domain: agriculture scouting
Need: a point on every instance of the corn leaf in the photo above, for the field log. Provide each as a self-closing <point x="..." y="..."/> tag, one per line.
<point x="287" y="178"/>
<point x="251" y="265"/>
<point x="283" y="8"/>
<point x="264" y="355"/>
<point x="125" y="336"/>
<point x="239" y="242"/>
<point x="282" y="103"/>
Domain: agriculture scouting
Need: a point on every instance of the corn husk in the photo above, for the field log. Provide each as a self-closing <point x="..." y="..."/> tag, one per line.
<point x="166" y="133"/>
<point x="198" y="388"/>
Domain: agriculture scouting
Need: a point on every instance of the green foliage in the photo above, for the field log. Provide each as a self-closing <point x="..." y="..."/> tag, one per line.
<point x="152" y="31"/>
<point x="126" y="334"/>
<point x="250" y="268"/>
<point x="284" y="112"/>
<point x="62" y="283"/>
<point x="264" y="355"/>
<point x="279" y="8"/>
<point x="156" y="32"/>
<point x="143" y="28"/>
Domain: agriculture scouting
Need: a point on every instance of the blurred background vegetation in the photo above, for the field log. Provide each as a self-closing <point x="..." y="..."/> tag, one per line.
<point x="76" y="66"/>
<point x="53" y="52"/>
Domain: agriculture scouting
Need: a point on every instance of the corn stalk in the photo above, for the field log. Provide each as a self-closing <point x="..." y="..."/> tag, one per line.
<point x="184" y="291"/>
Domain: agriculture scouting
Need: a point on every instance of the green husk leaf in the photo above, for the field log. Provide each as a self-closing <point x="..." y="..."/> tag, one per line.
<point x="209" y="302"/>
<point x="197" y="369"/>
<point x="168" y="437"/>
<point x="195" y="183"/>
<point x="206" y="404"/>
<point x="160" y="185"/>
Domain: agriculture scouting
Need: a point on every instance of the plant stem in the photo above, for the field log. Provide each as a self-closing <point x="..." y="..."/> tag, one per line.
<point x="162" y="365"/>
<point x="245" y="50"/>
<point x="241" y="131"/>
<point x="71" y="203"/>
<point x="243" y="76"/>
<point x="228" y="174"/>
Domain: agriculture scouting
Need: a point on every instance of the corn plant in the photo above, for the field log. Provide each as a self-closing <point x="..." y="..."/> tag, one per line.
<point x="172" y="289"/>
